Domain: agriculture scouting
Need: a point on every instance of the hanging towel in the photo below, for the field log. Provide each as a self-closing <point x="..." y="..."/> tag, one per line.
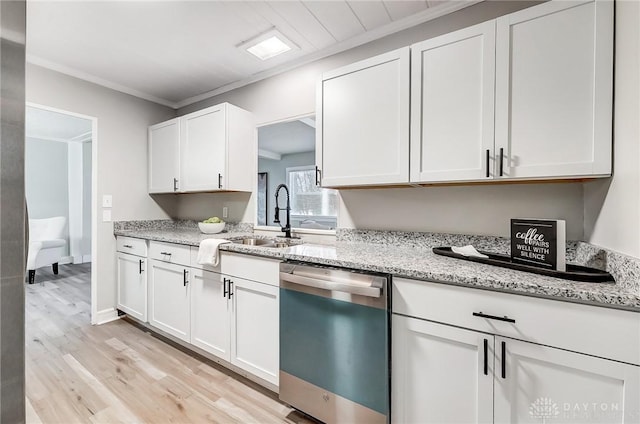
<point x="469" y="251"/>
<point x="208" y="252"/>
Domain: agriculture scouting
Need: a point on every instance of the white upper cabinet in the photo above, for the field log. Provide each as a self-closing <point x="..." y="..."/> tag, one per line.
<point x="164" y="154"/>
<point x="554" y="90"/>
<point x="452" y="98"/>
<point x="203" y="158"/>
<point x="523" y="97"/>
<point x="363" y="122"/>
<point x="212" y="150"/>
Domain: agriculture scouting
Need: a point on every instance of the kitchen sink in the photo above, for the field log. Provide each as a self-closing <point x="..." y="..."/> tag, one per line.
<point x="262" y="242"/>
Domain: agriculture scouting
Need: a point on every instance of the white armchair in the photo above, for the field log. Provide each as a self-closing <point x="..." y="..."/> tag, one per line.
<point x="46" y="244"/>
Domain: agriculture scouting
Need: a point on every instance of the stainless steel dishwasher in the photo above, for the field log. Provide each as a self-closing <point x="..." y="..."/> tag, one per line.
<point x="335" y="343"/>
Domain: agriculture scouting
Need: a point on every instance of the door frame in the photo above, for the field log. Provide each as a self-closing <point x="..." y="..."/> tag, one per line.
<point x="94" y="199"/>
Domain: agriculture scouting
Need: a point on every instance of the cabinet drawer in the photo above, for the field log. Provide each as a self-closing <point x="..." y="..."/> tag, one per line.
<point x="262" y="270"/>
<point x="172" y="253"/>
<point x="131" y="245"/>
<point x="196" y="265"/>
<point x="604" y="332"/>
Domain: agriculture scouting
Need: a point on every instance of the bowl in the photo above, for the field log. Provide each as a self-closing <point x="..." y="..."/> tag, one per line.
<point x="210" y="228"/>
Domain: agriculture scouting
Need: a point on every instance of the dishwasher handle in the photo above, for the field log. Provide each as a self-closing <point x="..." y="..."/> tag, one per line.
<point x="331" y="285"/>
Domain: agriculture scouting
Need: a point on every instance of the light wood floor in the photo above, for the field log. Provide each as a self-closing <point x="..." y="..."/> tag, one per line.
<point x="116" y="372"/>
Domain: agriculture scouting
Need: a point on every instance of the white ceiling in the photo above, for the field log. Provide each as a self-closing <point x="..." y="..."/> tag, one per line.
<point x="49" y="125"/>
<point x="178" y="52"/>
<point x="288" y="137"/>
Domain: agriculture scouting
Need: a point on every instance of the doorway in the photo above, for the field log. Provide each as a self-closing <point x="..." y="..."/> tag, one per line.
<point x="60" y="190"/>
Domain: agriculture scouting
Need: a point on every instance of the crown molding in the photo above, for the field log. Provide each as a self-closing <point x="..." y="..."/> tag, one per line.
<point x="63" y="69"/>
<point x="366" y="37"/>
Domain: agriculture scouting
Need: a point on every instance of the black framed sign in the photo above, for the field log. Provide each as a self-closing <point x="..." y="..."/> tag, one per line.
<point x="539" y="242"/>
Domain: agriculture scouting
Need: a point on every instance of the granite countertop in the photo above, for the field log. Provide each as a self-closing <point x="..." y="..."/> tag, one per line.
<point x="417" y="262"/>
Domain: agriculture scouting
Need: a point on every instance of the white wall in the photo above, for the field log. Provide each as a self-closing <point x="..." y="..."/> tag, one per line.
<point x="46" y="180"/>
<point x="472" y="209"/>
<point x="122" y="156"/>
<point x="612" y="207"/>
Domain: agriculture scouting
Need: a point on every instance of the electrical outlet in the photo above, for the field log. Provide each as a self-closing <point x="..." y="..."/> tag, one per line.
<point x="225" y="212"/>
<point x="107" y="201"/>
<point x="106" y="215"/>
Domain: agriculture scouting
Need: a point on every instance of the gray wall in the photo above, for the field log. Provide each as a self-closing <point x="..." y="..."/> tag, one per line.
<point x="12" y="217"/>
<point x="472" y="209"/>
<point x="612" y="206"/>
<point x="277" y="174"/>
<point x="46" y="176"/>
<point x="121" y="144"/>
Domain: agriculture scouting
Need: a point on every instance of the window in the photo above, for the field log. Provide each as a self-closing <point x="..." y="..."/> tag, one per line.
<point x="311" y="206"/>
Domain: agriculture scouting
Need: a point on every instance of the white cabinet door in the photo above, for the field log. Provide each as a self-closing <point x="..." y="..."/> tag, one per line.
<point x="363" y="125"/>
<point x="169" y="298"/>
<point x="164" y="154"/>
<point x="203" y="150"/>
<point x="132" y="285"/>
<point x="439" y="373"/>
<point x="554" y="90"/>
<point x="210" y="327"/>
<point x="541" y="384"/>
<point x="452" y="106"/>
<point x="255" y="328"/>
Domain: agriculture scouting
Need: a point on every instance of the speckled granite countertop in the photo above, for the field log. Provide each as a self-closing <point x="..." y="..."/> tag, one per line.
<point x="417" y="261"/>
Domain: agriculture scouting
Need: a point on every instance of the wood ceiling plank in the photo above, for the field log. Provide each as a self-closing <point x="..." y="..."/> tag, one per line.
<point x="371" y="14"/>
<point x="404" y="8"/>
<point x="337" y="17"/>
<point x="304" y="23"/>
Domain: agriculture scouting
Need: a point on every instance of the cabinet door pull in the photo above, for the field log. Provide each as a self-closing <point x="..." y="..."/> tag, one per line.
<point x="487" y="161"/>
<point x="230" y="288"/>
<point x="166" y="253"/>
<point x="140" y="266"/>
<point x="317" y="176"/>
<point x="504" y="318"/>
<point x="224" y="287"/>
<point x="219" y="180"/>
<point x="486" y="357"/>
<point x="184" y="277"/>
<point x="175" y="184"/>
<point x="501" y="160"/>
<point x="504" y="360"/>
<point x="128" y="246"/>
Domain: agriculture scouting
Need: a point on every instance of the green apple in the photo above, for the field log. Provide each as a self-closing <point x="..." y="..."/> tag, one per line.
<point x="212" y="220"/>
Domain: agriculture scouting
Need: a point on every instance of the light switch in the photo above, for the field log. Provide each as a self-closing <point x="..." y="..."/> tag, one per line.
<point x="107" y="201"/>
<point x="106" y="215"/>
<point x="225" y="212"/>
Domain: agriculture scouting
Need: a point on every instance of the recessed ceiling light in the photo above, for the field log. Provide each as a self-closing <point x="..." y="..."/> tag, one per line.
<point x="268" y="44"/>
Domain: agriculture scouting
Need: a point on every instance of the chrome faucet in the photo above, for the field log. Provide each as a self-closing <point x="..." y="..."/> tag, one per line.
<point x="287" y="228"/>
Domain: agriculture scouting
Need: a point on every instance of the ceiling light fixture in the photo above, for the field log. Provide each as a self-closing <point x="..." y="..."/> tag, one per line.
<point x="268" y="44"/>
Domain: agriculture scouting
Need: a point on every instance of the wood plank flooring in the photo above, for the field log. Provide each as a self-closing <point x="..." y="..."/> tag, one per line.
<point x="119" y="373"/>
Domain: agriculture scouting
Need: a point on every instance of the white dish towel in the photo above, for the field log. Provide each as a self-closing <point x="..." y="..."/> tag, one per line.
<point x="208" y="252"/>
<point x="469" y="251"/>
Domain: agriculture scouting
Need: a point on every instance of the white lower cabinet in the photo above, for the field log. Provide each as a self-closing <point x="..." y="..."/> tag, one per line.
<point x="452" y="363"/>
<point x="542" y="383"/>
<point x="237" y="319"/>
<point x="255" y="328"/>
<point x="210" y="314"/>
<point x="169" y="298"/>
<point x="132" y="285"/>
<point x="439" y="375"/>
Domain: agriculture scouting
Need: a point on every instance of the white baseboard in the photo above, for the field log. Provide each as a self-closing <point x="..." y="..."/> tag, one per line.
<point x="104" y="316"/>
<point x="65" y="260"/>
<point x="86" y="259"/>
